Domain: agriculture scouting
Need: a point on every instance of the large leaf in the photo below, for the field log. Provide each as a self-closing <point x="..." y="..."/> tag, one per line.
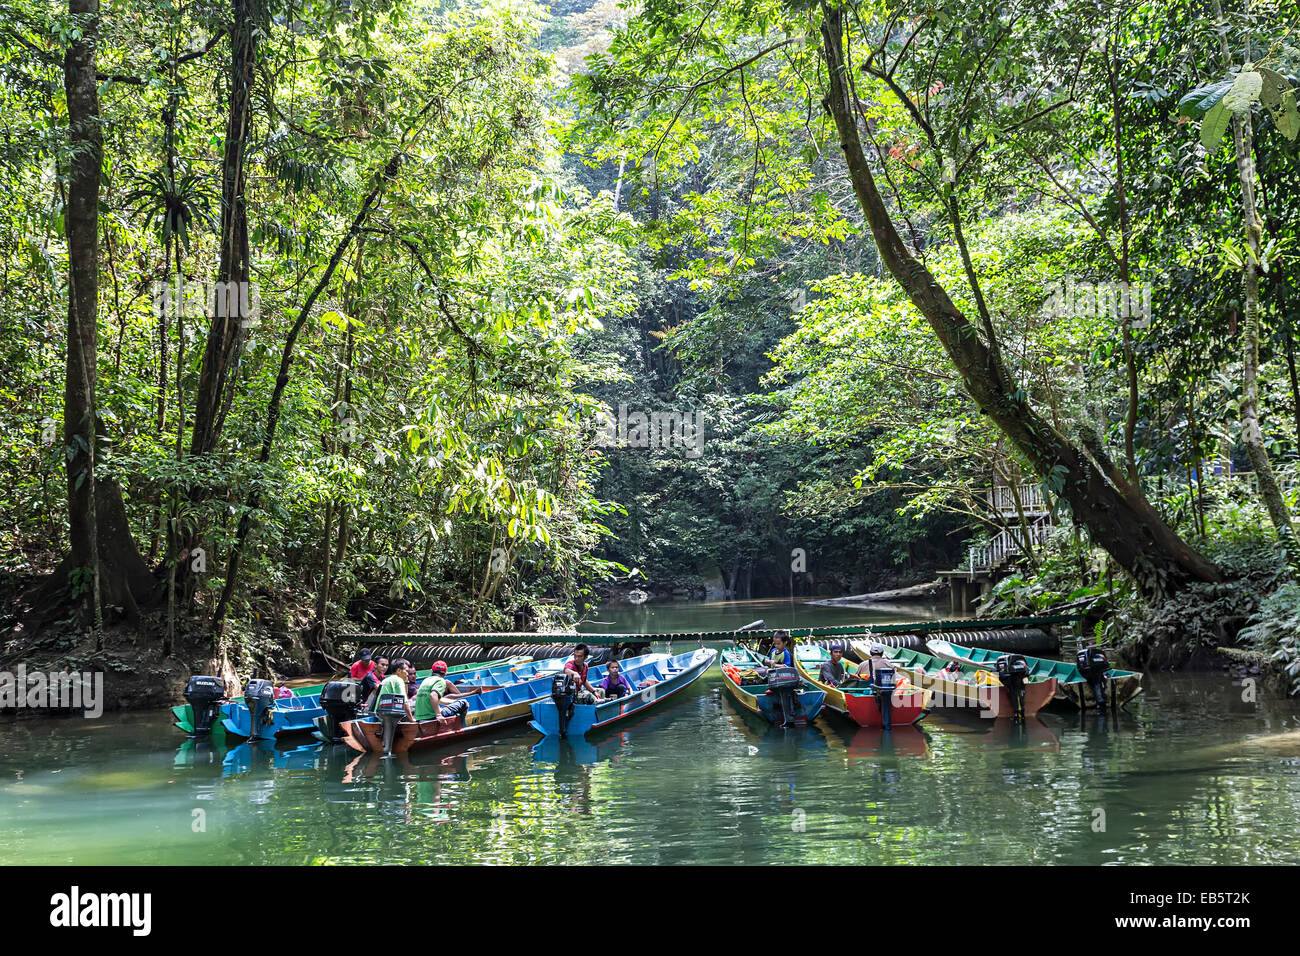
<point x="1273" y="87"/>
<point x="1288" y="117"/>
<point x="1213" y="126"/>
<point x="1279" y="97"/>
<point x="1204" y="98"/>
<point x="1245" y="90"/>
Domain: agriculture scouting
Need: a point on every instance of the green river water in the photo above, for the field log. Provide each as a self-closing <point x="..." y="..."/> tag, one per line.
<point x="1192" y="773"/>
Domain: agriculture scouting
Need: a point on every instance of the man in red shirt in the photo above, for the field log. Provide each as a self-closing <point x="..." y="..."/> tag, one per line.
<point x="363" y="665"/>
<point x="579" y="667"/>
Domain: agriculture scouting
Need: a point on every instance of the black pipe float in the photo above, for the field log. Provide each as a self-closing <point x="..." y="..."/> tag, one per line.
<point x="453" y="654"/>
<point x="1021" y="640"/>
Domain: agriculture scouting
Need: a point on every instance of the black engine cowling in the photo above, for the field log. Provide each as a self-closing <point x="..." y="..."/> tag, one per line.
<point x="1012" y="668"/>
<point x="564" y="688"/>
<point x="204" y="695"/>
<point x="884" y="679"/>
<point x="782" y="678"/>
<point x="1093" y="665"/>
<point x="259" y="695"/>
<point x="339" y="700"/>
<point x="1013" y="672"/>
<point x="1092" y="662"/>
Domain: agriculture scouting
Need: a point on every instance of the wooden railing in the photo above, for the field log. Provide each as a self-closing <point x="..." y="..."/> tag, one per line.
<point x="1007" y="544"/>
<point x="1002" y="499"/>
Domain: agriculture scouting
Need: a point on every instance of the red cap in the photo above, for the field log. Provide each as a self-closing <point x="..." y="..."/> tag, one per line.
<point x="439" y="666"/>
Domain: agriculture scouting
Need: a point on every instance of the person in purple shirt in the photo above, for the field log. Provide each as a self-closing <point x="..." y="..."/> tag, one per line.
<point x="614" y="684"/>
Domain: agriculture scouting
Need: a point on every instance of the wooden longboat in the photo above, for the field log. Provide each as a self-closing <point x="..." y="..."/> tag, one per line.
<point x="963" y="687"/>
<point x="859" y="702"/>
<point x="1071" y="686"/>
<point x="755" y="698"/>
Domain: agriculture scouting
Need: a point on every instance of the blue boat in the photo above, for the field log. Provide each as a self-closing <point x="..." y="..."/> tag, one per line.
<point x="288" y="715"/>
<point x="488" y="711"/>
<point x="662" y="676"/>
<point x="513" y="673"/>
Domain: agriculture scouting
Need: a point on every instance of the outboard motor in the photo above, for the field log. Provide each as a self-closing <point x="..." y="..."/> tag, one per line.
<point x="1093" y="665"/>
<point x="1013" y="672"/>
<point x="339" y="701"/>
<point x="563" y="691"/>
<point x="259" y="695"/>
<point x="885" y="682"/>
<point x="204" y="695"/>
<point x="783" y="682"/>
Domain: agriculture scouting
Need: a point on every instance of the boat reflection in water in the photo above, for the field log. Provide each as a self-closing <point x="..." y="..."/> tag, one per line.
<point x="264" y="754"/>
<point x="576" y="749"/>
<point x="870" y="743"/>
<point x="763" y="738"/>
<point x="1033" y="734"/>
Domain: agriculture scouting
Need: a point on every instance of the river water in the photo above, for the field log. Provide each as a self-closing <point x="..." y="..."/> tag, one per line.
<point x="1192" y="773"/>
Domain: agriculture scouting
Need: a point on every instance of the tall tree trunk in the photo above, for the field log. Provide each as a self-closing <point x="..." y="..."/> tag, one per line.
<point x="226" y="332"/>
<point x="1124" y="297"/>
<point x="102" y="565"/>
<point x="1117" y="516"/>
<point x="1252" y="435"/>
<point x="254" y="499"/>
<point x="81" y="223"/>
<point x="342" y="390"/>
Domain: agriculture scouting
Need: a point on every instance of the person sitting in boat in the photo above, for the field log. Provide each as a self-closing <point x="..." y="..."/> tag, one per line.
<point x="373" y="678"/>
<point x="951" y="672"/>
<point x="586" y="694"/>
<point x="616" y="685"/>
<point x="439" y="697"/>
<point x="781" y="655"/>
<point x="832" y="672"/>
<point x="867" y="669"/>
<point x="390" y="703"/>
<point x="363" y="664"/>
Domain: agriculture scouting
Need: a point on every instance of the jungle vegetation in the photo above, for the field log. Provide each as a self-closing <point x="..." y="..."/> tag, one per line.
<point x="315" y="313"/>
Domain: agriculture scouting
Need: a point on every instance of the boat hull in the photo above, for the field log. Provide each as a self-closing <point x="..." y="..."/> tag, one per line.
<point x="674" y="674"/>
<point x="367" y="735"/>
<point x="755" y="698"/>
<point x="234" y="713"/>
<point x="991" y="700"/>
<point x="1071" y="687"/>
<point x="490" y="709"/>
<point x="289" y="716"/>
<point x="909" y="704"/>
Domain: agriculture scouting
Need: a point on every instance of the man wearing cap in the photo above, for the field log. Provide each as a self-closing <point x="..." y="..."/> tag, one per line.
<point x="832" y="671"/>
<point x="438" y="697"/>
<point x="363" y="664"/>
<point x="373" y="677"/>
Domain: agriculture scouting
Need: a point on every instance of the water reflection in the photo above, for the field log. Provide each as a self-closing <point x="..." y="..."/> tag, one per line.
<point x="1187" y="777"/>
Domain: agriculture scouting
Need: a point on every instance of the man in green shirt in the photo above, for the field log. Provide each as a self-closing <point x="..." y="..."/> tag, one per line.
<point x="433" y="691"/>
<point x="390" y="703"/>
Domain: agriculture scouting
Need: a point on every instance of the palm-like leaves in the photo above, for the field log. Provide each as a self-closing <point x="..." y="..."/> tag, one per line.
<point x="172" y="203"/>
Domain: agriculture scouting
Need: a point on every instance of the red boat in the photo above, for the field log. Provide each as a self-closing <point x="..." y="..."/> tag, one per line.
<point x="861" y="705"/>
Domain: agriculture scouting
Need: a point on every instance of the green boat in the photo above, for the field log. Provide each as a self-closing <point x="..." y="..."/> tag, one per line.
<point x="958" y="684"/>
<point x="184" y="714"/>
<point x="1071" y="686"/>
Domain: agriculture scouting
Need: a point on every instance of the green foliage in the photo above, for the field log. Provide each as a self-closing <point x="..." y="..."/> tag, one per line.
<point x="1274" y="629"/>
